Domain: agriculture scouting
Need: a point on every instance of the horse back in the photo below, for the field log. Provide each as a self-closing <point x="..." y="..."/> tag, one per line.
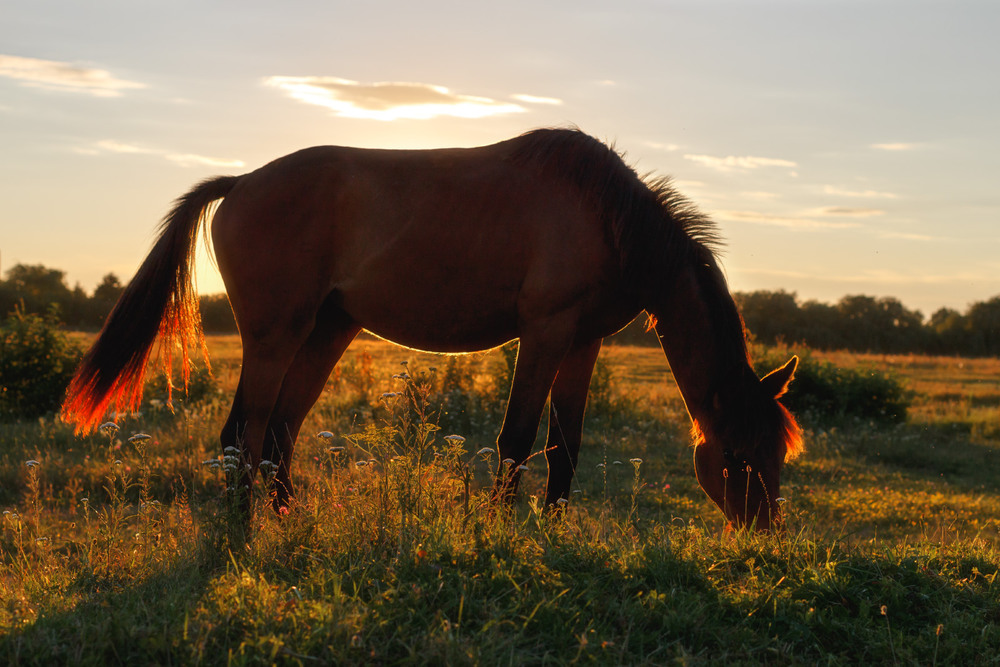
<point x="468" y="238"/>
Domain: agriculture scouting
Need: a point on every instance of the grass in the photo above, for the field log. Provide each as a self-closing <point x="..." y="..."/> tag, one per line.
<point x="123" y="552"/>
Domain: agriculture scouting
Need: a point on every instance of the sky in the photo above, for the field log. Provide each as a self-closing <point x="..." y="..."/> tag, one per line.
<point x="842" y="147"/>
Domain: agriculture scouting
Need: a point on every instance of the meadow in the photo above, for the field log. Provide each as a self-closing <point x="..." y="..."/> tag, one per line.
<point x="122" y="548"/>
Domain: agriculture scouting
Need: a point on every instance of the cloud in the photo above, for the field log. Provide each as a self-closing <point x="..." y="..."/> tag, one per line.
<point x="738" y="163"/>
<point x="760" y="195"/>
<point x="656" y="145"/>
<point x="894" y="147"/>
<point x="386" y="100"/>
<point x="878" y="276"/>
<point x="182" y="159"/>
<point x="790" y="222"/>
<point x="869" y="194"/>
<point x="905" y="236"/>
<point x="534" y="99"/>
<point x="849" y="212"/>
<point x="53" y="75"/>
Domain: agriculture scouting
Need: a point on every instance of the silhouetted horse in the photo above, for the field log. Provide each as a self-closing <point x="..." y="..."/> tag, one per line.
<point x="548" y="237"/>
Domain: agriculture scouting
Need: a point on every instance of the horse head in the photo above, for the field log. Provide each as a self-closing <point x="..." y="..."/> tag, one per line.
<point x="741" y="449"/>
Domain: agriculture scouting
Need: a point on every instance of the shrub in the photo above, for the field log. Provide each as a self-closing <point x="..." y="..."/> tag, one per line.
<point x="827" y="393"/>
<point x="37" y="361"/>
<point x="201" y="386"/>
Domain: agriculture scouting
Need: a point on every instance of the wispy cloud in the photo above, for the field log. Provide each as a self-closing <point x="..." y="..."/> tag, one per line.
<point x="906" y="236"/>
<point x="760" y="195"/>
<point x="182" y="159"/>
<point x="848" y="212"/>
<point x="866" y="194"/>
<point x="738" y="163"/>
<point x="54" y="75"/>
<point x="790" y="222"/>
<point x="386" y="100"/>
<point x="878" y="276"/>
<point x="535" y="99"/>
<point x="659" y="146"/>
<point x="894" y="147"/>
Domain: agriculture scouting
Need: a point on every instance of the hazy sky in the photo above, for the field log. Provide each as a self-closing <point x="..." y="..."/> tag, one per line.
<point x="843" y="147"/>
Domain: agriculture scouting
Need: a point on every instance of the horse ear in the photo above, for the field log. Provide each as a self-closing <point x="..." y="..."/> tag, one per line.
<point x="776" y="382"/>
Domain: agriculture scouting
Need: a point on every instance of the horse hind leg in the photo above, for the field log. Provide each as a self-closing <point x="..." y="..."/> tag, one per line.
<point x="302" y="386"/>
<point x="264" y="369"/>
<point x="566" y="409"/>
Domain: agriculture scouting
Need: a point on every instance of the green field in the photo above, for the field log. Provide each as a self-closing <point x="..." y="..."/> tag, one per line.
<point x="118" y="552"/>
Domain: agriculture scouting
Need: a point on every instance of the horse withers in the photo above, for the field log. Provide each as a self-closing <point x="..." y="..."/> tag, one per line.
<point x="548" y="237"/>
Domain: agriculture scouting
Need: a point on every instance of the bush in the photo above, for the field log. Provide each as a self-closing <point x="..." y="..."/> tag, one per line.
<point x="827" y="393"/>
<point x="37" y="361"/>
<point x="202" y="386"/>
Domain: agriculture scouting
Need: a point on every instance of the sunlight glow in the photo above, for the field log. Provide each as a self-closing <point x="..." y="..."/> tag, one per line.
<point x="387" y="101"/>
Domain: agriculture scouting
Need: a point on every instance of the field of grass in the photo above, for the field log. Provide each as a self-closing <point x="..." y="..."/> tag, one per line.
<point x="118" y="549"/>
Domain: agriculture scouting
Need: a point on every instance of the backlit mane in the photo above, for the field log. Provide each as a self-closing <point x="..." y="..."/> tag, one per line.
<point x="657" y="232"/>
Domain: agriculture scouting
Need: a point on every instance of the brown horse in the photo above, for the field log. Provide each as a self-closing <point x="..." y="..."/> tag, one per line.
<point x="548" y="237"/>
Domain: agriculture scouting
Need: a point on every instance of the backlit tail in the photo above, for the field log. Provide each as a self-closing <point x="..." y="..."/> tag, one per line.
<point x="160" y="300"/>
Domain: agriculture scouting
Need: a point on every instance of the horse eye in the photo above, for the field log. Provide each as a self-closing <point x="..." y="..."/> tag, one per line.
<point x="728" y="455"/>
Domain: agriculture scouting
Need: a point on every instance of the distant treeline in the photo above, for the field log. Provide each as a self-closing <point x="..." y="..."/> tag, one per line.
<point x="858" y="323"/>
<point x="37" y="288"/>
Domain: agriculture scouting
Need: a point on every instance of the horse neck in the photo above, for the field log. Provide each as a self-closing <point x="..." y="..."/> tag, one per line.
<point x="701" y="338"/>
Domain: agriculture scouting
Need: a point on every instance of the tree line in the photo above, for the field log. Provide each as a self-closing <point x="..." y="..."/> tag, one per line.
<point x="859" y="323"/>
<point x="872" y="324"/>
<point x="38" y="289"/>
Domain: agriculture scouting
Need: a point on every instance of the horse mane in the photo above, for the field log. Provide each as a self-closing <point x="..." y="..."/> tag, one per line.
<point x="656" y="230"/>
<point x="657" y="233"/>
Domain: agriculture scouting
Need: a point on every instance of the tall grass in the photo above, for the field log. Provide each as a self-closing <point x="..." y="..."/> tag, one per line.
<point x="122" y="548"/>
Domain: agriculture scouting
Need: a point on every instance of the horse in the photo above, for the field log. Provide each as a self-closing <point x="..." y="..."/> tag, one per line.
<point x="548" y="237"/>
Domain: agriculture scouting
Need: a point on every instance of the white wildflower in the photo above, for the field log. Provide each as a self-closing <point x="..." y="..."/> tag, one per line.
<point x="139" y="437"/>
<point x="454" y="439"/>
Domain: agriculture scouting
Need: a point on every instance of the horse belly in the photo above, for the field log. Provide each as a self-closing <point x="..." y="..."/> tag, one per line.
<point x="460" y="315"/>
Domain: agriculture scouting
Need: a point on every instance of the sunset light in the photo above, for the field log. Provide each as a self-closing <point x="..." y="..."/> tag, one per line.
<point x="512" y="333"/>
<point x="389" y="101"/>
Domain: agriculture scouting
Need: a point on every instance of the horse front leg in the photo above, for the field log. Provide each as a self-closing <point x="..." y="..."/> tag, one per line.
<point x="566" y="410"/>
<point x="538" y="359"/>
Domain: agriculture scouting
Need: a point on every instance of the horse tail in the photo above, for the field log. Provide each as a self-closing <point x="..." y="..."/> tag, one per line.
<point x="160" y="300"/>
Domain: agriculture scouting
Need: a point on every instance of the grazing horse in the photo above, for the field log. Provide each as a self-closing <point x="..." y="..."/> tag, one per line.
<point x="548" y="237"/>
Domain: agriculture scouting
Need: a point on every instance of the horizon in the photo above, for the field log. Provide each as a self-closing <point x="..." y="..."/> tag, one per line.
<point x="842" y="148"/>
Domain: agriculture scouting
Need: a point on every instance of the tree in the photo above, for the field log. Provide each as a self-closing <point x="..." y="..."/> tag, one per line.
<point x="983" y="326"/>
<point x="36" y="286"/>
<point x="771" y="316"/>
<point x="105" y="297"/>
